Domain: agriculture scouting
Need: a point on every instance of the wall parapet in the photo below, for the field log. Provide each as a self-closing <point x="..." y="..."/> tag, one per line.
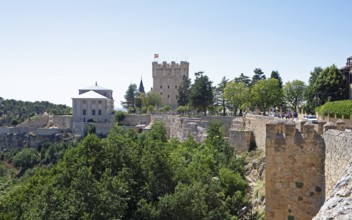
<point x="294" y="171"/>
<point x="337" y="156"/>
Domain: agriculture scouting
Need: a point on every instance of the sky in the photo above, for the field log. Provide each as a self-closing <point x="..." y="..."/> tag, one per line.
<point x="50" y="49"/>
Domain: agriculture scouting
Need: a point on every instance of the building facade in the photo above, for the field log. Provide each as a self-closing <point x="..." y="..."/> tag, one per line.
<point x="167" y="77"/>
<point x="93" y="104"/>
<point x="347" y="73"/>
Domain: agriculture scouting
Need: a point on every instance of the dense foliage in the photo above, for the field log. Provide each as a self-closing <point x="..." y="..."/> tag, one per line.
<point x="13" y="112"/>
<point x="130" y="98"/>
<point x="293" y="93"/>
<point x="134" y="176"/>
<point x="201" y="96"/>
<point x="219" y="93"/>
<point x="184" y="91"/>
<point x="338" y="108"/>
<point x="325" y="85"/>
<point x="266" y="93"/>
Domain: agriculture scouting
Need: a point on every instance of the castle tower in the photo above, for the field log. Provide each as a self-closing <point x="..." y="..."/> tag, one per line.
<point x="167" y="78"/>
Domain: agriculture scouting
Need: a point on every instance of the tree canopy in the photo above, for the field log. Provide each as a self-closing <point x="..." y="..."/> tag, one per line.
<point x="266" y="94"/>
<point x="243" y="79"/>
<point x="293" y="93"/>
<point x="130" y="97"/>
<point x="132" y="176"/>
<point x="258" y="75"/>
<point x="13" y="112"/>
<point x="201" y="96"/>
<point x="238" y="95"/>
<point x="220" y="99"/>
<point x="330" y="85"/>
<point x="184" y="92"/>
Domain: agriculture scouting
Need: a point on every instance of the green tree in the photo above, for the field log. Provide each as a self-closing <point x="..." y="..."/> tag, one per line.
<point x="216" y="142"/>
<point x="133" y="176"/>
<point x="330" y="85"/>
<point x="184" y="92"/>
<point x="153" y="99"/>
<point x="119" y="116"/>
<point x="276" y="75"/>
<point x="26" y="158"/>
<point x="310" y="93"/>
<point x="201" y="96"/>
<point x="258" y="75"/>
<point x="130" y="97"/>
<point x="238" y="95"/>
<point x="243" y="79"/>
<point x="219" y="95"/>
<point x="293" y="93"/>
<point x="266" y="94"/>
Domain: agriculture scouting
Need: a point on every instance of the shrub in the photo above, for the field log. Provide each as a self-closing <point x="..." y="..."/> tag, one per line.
<point x="91" y="129"/>
<point x="26" y="158"/>
<point x="338" y="108"/>
<point x="166" y="108"/>
<point x="119" y="116"/>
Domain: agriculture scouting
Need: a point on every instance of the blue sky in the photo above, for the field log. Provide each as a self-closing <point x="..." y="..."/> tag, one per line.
<point x="49" y="49"/>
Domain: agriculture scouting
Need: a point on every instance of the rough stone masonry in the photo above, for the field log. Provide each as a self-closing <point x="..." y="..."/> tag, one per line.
<point x="294" y="171"/>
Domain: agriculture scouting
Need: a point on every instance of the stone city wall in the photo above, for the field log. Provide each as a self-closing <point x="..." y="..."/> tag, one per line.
<point x="29" y="137"/>
<point x="132" y="120"/>
<point x="35" y="122"/>
<point x="338" y="204"/>
<point x="183" y="127"/>
<point x="103" y="128"/>
<point x="6" y="130"/>
<point x="294" y="175"/>
<point x="257" y="124"/>
<point x="62" y="121"/>
<point x="81" y="128"/>
<point x="337" y="157"/>
<point x="348" y="122"/>
<point x="49" y="131"/>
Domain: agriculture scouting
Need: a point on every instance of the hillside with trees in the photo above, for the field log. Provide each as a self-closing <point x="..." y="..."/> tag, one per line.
<point x="128" y="176"/>
<point x="13" y="112"/>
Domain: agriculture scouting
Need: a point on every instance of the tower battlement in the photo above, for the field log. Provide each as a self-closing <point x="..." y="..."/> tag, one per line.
<point x="167" y="78"/>
<point x="173" y="64"/>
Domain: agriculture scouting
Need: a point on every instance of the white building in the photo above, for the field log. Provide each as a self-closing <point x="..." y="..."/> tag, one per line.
<point x="93" y="104"/>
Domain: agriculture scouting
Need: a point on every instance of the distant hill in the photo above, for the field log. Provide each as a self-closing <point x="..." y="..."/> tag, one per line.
<point x="13" y="112"/>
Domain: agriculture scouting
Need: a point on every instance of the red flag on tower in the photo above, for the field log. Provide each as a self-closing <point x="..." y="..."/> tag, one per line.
<point x="156" y="55"/>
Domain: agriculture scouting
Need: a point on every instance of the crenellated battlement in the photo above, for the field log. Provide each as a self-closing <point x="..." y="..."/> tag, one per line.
<point x="173" y="64"/>
<point x="294" y="170"/>
<point x="167" y="78"/>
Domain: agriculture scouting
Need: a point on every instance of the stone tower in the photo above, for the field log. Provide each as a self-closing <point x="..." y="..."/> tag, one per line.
<point x="167" y="78"/>
<point x="294" y="175"/>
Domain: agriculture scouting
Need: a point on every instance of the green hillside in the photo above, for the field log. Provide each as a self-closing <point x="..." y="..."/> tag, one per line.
<point x="13" y="112"/>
